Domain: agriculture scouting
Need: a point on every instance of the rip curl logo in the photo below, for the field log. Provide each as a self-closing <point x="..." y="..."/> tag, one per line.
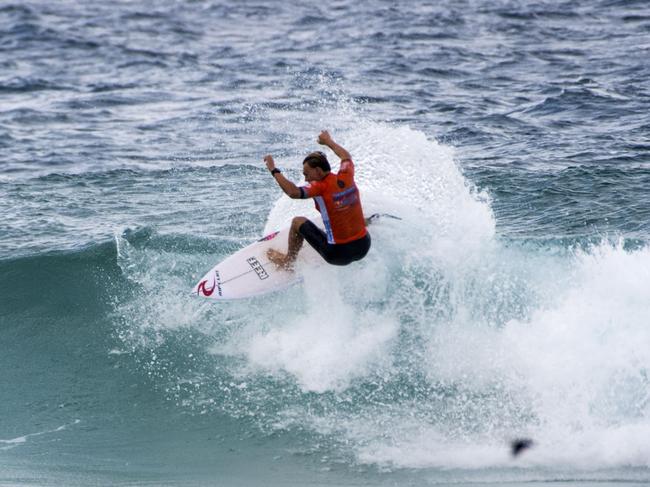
<point x="216" y="284"/>
<point x="205" y="291"/>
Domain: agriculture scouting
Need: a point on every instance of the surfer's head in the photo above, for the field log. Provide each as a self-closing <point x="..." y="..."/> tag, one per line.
<point x="315" y="166"/>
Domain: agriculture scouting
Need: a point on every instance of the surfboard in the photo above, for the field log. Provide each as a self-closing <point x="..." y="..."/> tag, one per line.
<point x="248" y="272"/>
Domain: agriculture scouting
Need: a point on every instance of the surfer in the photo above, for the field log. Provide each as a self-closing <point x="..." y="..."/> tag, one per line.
<point x="336" y="197"/>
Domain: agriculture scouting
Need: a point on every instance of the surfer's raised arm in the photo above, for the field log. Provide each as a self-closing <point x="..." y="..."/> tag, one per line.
<point x="290" y="189"/>
<point x="324" y="138"/>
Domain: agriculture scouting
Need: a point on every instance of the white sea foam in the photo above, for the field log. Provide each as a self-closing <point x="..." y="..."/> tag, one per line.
<point x="584" y="361"/>
<point x="338" y="336"/>
<point x="537" y="344"/>
<point x="20" y="440"/>
<point x="513" y="341"/>
<point x="572" y="375"/>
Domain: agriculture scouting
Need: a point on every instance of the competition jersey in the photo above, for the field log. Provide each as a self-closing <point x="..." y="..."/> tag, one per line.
<point x="337" y="199"/>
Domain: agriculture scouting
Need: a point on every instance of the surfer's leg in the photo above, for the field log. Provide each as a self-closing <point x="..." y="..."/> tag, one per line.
<point x="294" y="245"/>
<point x="295" y="237"/>
<point x="315" y="237"/>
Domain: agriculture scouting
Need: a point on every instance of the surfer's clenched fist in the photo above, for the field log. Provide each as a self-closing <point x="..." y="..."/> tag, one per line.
<point x="270" y="163"/>
<point x="324" y="138"/>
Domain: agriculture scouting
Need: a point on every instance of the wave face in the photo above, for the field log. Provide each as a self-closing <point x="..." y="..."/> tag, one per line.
<point x="509" y="301"/>
<point x="440" y="346"/>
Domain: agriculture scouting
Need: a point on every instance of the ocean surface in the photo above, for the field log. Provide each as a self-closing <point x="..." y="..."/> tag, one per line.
<point x="512" y="299"/>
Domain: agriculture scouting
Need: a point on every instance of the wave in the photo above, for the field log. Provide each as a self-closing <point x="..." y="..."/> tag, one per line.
<point x="441" y="345"/>
<point x="46" y="279"/>
<point x="433" y="351"/>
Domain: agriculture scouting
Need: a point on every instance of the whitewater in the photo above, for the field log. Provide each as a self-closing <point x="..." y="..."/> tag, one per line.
<point x="509" y="301"/>
<point x="446" y="342"/>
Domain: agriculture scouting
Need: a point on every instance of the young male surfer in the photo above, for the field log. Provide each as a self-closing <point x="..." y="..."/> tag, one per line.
<point x="336" y="196"/>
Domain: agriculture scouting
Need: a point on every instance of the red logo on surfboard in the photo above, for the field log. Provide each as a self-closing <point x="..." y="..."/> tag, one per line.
<point x="203" y="290"/>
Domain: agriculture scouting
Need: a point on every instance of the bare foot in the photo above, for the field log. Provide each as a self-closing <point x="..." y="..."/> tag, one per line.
<point x="279" y="259"/>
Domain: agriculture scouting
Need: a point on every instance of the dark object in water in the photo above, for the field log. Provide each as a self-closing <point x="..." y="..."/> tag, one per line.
<point x="518" y="446"/>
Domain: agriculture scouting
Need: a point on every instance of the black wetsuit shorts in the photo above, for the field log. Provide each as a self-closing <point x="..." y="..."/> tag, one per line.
<point x="336" y="254"/>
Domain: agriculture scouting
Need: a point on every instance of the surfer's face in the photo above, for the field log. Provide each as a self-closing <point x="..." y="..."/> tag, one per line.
<point x="312" y="173"/>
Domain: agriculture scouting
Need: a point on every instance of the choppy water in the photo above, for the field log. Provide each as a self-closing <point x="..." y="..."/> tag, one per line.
<point x="510" y="301"/>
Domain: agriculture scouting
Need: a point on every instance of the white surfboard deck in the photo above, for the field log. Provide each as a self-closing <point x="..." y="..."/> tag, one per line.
<point x="248" y="272"/>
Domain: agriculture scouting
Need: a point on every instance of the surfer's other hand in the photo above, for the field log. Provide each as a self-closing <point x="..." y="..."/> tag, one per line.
<point x="270" y="163"/>
<point x="324" y="138"/>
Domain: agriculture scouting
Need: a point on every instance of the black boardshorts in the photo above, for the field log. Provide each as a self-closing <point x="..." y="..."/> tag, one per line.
<point x="336" y="254"/>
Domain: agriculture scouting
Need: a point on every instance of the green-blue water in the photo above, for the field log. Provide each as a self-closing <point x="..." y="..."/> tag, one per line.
<point x="511" y="300"/>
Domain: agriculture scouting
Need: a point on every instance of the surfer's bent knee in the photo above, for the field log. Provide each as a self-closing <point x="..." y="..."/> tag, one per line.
<point x="297" y="222"/>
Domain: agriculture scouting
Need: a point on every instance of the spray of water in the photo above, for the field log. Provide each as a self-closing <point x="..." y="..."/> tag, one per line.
<point x="444" y="342"/>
